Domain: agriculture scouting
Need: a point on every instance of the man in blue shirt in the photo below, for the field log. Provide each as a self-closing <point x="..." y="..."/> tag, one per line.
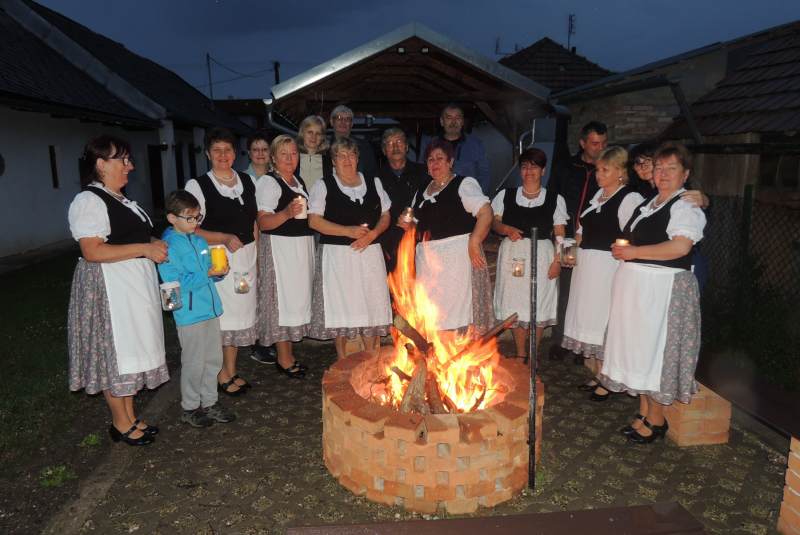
<point x="342" y="123"/>
<point x="470" y="156"/>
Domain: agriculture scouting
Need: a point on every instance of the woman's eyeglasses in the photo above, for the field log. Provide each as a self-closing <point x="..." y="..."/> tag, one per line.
<point x="125" y="160"/>
<point x="641" y="164"/>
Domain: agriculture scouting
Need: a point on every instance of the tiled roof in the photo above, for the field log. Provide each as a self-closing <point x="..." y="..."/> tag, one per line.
<point x="183" y="103"/>
<point x="553" y="66"/>
<point x="762" y="95"/>
<point x="34" y="77"/>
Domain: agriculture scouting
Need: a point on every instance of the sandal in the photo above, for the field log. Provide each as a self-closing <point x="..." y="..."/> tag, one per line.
<point x="292" y="371"/>
<point x="223" y="387"/>
<point x="589" y="387"/>
<point x="150" y="429"/>
<point x="246" y="385"/>
<point x="628" y="429"/>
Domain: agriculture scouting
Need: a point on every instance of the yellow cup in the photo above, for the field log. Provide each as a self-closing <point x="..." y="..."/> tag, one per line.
<point x="218" y="256"/>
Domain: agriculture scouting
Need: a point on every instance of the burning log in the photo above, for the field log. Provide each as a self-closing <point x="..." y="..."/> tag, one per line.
<point x="434" y="397"/>
<point x="485" y="338"/>
<point x="411" y="333"/>
<point x="401" y="374"/>
<point x="414" y="398"/>
<point x="479" y="401"/>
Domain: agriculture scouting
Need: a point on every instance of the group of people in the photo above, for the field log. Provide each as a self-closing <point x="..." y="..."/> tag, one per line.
<point x="310" y="233"/>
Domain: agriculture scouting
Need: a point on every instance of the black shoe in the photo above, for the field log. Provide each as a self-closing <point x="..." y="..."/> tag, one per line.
<point x="628" y="429"/>
<point x="292" y="371"/>
<point x="223" y="387"/>
<point x="599" y="398"/>
<point x="658" y="431"/>
<point x="578" y="360"/>
<point x="150" y="429"/>
<point x="556" y="353"/>
<point x="117" y="435"/>
<point x="301" y="367"/>
<point x="246" y="385"/>
<point x="589" y="387"/>
<point x="265" y="355"/>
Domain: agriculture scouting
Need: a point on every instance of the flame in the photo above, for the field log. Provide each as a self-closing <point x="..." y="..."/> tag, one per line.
<point x="467" y="381"/>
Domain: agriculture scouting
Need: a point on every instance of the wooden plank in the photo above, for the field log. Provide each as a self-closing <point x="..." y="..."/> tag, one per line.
<point x="496" y="121"/>
<point x="655" y="519"/>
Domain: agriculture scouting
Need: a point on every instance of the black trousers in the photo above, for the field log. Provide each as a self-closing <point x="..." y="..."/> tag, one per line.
<point x="564" y="281"/>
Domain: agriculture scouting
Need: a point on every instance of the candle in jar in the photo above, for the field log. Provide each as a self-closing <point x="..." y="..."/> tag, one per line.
<point x="517" y="271"/>
<point x="408" y="215"/>
<point x="242" y="286"/>
<point x="620" y="241"/>
<point x="365" y="225"/>
<point x="304" y="212"/>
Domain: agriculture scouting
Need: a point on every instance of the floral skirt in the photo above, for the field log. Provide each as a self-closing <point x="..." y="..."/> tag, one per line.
<point x="682" y="348"/>
<point x="92" y="356"/>
<point x="268" y="328"/>
<point x="242" y="337"/>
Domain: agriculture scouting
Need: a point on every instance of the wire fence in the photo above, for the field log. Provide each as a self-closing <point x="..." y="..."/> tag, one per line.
<point x="751" y="303"/>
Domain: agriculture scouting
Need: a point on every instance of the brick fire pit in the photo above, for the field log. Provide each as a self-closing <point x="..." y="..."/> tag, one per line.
<point x="421" y="462"/>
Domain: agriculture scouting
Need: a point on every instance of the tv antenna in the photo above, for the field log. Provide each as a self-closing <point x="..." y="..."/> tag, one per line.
<point x="506" y="54"/>
<point x="571" y="19"/>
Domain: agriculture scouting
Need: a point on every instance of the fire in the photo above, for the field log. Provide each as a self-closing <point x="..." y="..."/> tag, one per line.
<point x="467" y="380"/>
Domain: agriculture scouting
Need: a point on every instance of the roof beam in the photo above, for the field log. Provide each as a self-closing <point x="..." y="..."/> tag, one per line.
<point x="497" y="121"/>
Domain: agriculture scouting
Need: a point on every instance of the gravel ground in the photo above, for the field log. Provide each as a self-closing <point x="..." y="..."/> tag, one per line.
<point x="264" y="472"/>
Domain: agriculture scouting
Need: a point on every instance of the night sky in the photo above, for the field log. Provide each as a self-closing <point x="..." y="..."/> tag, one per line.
<point x="247" y="36"/>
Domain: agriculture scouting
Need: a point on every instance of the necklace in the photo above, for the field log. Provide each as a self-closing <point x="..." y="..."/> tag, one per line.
<point x="605" y="197"/>
<point x="443" y="183"/>
<point x="531" y="192"/>
<point x="118" y="196"/>
<point x="656" y="204"/>
<point x="223" y="179"/>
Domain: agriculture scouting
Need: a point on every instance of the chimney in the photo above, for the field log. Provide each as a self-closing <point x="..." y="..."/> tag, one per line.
<point x="573" y="50"/>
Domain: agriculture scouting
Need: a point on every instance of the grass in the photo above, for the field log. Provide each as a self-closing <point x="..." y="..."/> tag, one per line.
<point x="90" y="440"/>
<point x="53" y="476"/>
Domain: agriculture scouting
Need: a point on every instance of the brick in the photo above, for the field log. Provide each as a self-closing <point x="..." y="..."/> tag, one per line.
<point x="342" y="406"/>
<point x="483" y="461"/>
<point x="688" y="428"/>
<point x="406" y="426"/>
<point x="461" y="507"/>
<point x="370" y="418"/>
<point x="442" y="428"/>
<point x="791" y="498"/>
<point x="717" y="426"/>
<point x="397" y="461"/>
<point x="336" y="388"/>
<point x="704" y="414"/>
<point x="516" y="480"/>
<point x="398" y="489"/>
<point x="785" y="529"/>
<point x="380" y="497"/>
<point x="353" y="460"/>
<point x="795" y="445"/>
<point x="377" y="441"/>
<point x="790" y="516"/>
<point x="442" y="464"/>
<point x="420" y="448"/>
<point x="475" y="426"/>
<point x="383" y="471"/>
<point x="352" y="486"/>
<point x="466" y="477"/>
<point x="480" y="489"/>
<point x="420" y="506"/>
<point x="495" y="498"/>
<point x="501" y="470"/>
<point x="793" y="480"/>
<point x="426" y="479"/>
<point x="794" y="462"/>
<point x="497" y="443"/>
<point x="717" y="403"/>
<point x="507" y="416"/>
<point x="332" y="467"/>
<point x="439" y="493"/>
<point x="698" y="440"/>
<point x="464" y="449"/>
<point x="361" y="477"/>
<point x="346" y="364"/>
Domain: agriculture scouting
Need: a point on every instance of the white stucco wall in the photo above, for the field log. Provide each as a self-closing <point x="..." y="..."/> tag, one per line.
<point x="32" y="212"/>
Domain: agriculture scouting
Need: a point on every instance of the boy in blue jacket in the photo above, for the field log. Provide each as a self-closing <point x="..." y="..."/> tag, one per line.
<point x="198" y="320"/>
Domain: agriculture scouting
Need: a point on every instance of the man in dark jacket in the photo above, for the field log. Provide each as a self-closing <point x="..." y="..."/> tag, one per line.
<point x="574" y="179"/>
<point x="342" y="122"/>
<point x="401" y="178"/>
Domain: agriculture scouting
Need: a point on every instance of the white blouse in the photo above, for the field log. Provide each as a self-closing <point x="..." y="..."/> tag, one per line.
<point x="560" y="216"/>
<point x="685" y="219"/>
<point x="268" y="192"/>
<point x="626" y="207"/>
<point x="234" y="192"/>
<point x="88" y="215"/>
<point x="316" y="200"/>
<point x="470" y="192"/>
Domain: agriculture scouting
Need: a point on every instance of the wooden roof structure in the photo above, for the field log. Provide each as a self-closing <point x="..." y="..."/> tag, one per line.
<point x="408" y="75"/>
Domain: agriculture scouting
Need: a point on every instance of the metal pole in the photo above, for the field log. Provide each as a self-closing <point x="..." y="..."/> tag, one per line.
<point x="532" y="358"/>
<point x="210" y="86"/>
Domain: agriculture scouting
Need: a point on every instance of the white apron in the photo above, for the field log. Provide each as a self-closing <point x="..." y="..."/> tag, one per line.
<point x="293" y="258"/>
<point x="513" y="294"/>
<point x="239" y="310"/>
<point x="445" y="271"/>
<point x="354" y="287"/>
<point x="590" y="296"/>
<point x="637" y="325"/>
<point x="135" y="308"/>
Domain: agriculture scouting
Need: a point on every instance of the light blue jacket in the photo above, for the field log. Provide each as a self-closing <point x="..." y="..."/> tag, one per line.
<point x="470" y="160"/>
<point x="189" y="262"/>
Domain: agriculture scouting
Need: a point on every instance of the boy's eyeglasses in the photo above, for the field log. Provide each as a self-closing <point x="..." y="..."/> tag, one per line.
<point x="192" y="219"/>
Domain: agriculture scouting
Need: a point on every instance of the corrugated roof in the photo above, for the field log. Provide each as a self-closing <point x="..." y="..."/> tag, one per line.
<point x="34" y="77"/>
<point x="762" y="95"/>
<point x="553" y="66"/>
<point x="182" y="101"/>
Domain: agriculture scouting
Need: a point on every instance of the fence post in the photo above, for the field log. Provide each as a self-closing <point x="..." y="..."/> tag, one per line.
<point x="747" y="220"/>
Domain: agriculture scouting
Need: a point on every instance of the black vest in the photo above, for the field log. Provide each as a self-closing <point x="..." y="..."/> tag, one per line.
<point x="290" y="227"/>
<point x="227" y="215"/>
<point x="524" y="219"/>
<point x="126" y="226"/>
<point x="653" y="230"/>
<point x="444" y="218"/>
<point x="601" y="230"/>
<point x="341" y="210"/>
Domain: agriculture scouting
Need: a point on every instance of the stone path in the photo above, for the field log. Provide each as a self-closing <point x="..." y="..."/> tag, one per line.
<point x="264" y="472"/>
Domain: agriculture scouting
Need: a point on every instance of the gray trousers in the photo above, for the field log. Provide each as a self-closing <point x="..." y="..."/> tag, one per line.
<point x="201" y="362"/>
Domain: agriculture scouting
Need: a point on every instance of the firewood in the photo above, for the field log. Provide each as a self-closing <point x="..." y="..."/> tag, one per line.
<point x="450" y="405"/>
<point x="479" y="401"/>
<point x="485" y="338"/>
<point x="411" y="333"/>
<point x="401" y="374"/>
<point x="434" y="397"/>
<point x="414" y="398"/>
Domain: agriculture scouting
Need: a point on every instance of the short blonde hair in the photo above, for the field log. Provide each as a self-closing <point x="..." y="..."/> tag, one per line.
<point x="277" y="143"/>
<point x="615" y="156"/>
<point x="344" y="143"/>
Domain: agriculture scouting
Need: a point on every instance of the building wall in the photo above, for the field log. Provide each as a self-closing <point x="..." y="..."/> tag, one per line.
<point x="32" y="212"/>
